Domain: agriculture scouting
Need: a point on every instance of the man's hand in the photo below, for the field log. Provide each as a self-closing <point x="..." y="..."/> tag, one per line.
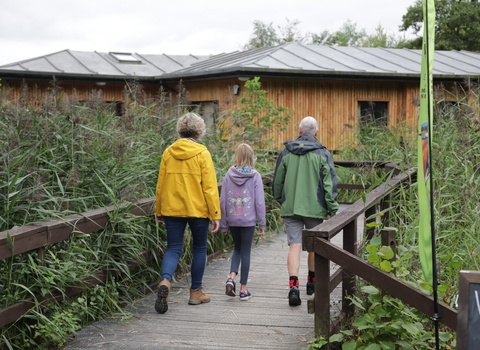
<point x="159" y="219"/>
<point x="215" y="226"/>
<point x="261" y="232"/>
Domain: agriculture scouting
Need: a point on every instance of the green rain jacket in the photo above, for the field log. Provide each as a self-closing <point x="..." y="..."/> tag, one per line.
<point x="305" y="182"/>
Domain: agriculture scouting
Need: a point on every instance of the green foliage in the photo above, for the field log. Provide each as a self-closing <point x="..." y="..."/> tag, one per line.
<point x="265" y="35"/>
<point x="59" y="156"/>
<point x="381" y="321"/>
<point x="380" y="256"/>
<point x="255" y="118"/>
<point x="456" y="28"/>
<point x="456" y="24"/>
<point x="348" y="35"/>
<point x="379" y="318"/>
<point x="381" y="38"/>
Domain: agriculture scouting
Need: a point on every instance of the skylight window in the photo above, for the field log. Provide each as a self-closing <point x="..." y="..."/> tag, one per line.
<point x="125" y="57"/>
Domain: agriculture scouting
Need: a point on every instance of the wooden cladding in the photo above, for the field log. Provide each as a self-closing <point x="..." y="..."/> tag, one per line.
<point x="335" y="104"/>
<point x="75" y="90"/>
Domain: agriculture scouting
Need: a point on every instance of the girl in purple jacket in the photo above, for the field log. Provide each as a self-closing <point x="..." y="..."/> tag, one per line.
<point x="242" y="203"/>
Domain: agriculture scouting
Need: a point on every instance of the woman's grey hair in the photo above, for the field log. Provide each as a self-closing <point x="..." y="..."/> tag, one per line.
<point x="191" y="125"/>
<point x="309" y="125"/>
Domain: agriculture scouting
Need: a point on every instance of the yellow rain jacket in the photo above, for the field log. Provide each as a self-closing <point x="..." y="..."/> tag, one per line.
<point x="187" y="184"/>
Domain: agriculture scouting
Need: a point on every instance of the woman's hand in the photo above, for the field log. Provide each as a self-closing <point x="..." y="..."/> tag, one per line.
<point x="159" y="219"/>
<point x="215" y="226"/>
<point x="261" y="232"/>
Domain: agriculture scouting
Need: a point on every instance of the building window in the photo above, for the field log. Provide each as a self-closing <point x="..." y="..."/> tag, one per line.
<point x="373" y="113"/>
<point x="117" y="107"/>
<point x="125" y="57"/>
<point x="208" y="110"/>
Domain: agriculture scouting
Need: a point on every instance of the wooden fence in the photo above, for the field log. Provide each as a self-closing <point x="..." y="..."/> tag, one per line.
<point x="317" y="240"/>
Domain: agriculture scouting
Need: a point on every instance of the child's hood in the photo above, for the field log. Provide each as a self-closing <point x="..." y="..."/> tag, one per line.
<point x="239" y="178"/>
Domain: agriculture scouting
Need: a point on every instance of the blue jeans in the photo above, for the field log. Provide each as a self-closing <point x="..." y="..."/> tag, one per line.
<point x="242" y="239"/>
<point x="175" y="233"/>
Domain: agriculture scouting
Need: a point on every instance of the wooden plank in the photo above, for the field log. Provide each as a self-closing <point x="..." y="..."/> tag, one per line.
<point x="14" y="312"/>
<point x="41" y="234"/>
<point x="348" y="283"/>
<point x="25" y="238"/>
<point x="266" y="321"/>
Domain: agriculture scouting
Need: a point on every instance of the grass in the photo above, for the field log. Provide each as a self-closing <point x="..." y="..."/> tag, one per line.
<point x="456" y="184"/>
<point x="61" y="156"/>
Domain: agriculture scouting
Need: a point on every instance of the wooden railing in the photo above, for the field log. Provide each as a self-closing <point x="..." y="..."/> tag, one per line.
<point x="39" y="236"/>
<point x="317" y="240"/>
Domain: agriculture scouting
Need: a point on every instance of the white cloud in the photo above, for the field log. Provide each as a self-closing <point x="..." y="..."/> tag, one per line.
<point x="32" y="28"/>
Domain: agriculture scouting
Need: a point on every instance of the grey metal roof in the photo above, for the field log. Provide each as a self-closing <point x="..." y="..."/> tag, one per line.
<point x="100" y="64"/>
<point x="290" y="59"/>
<point x="299" y="59"/>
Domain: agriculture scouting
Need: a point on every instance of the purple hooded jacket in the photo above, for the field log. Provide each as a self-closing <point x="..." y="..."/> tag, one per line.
<point x="242" y="200"/>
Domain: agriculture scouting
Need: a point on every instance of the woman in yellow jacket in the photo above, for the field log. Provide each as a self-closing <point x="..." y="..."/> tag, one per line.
<point x="187" y="193"/>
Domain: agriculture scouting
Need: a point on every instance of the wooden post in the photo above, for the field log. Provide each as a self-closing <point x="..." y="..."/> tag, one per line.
<point x="348" y="283"/>
<point x="468" y="316"/>
<point x="387" y="200"/>
<point x="389" y="240"/>
<point x="370" y="231"/>
<point x="41" y="255"/>
<point x="322" y="296"/>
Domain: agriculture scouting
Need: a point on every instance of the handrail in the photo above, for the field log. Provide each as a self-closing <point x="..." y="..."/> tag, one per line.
<point x="331" y="227"/>
<point x="38" y="235"/>
<point x="317" y="240"/>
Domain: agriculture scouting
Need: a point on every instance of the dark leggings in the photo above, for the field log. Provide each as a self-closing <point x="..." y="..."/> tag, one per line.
<point x="242" y="238"/>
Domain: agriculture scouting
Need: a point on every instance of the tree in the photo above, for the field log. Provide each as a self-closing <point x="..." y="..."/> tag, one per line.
<point x="456" y="24"/>
<point x="263" y="36"/>
<point x="266" y="36"/>
<point x="380" y="38"/>
<point x="347" y="35"/>
<point x="290" y="33"/>
<point x="254" y="118"/>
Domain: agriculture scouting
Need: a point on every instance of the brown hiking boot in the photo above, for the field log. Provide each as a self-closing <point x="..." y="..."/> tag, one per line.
<point x="161" y="304"/>
<point x="197" y="297"/>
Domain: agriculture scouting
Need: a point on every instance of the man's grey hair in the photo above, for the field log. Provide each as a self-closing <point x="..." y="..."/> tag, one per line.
<point x="191" y="125"/>
<point x="309" y="125"/>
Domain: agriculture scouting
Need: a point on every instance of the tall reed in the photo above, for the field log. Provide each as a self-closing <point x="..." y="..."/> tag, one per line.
<point x="61" y="156"/>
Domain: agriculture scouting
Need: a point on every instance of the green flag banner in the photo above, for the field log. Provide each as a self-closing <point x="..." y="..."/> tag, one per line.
<point x="425" y="119"/>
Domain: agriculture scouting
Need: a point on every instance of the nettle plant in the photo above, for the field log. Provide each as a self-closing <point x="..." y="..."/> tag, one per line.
<point x="383" y="322"/>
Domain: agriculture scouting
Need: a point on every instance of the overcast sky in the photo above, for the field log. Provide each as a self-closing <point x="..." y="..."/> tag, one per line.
<point x="32" y="28"/>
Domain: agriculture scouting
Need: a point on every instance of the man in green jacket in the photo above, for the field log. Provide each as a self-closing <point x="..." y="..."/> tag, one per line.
<point x="305" y="184"/>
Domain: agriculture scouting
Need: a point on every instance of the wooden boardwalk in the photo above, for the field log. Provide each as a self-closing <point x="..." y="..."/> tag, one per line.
<point x="266" y="321"/>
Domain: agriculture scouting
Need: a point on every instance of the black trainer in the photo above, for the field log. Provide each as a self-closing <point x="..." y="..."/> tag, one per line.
<point x="230" y="287"/>
<point x="310" y="288"/>
<point x="161" y="304"/>
<point x="294" y="296"/>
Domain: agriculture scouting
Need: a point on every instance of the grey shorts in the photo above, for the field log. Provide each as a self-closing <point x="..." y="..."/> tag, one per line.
<point x="295" y="224"/>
